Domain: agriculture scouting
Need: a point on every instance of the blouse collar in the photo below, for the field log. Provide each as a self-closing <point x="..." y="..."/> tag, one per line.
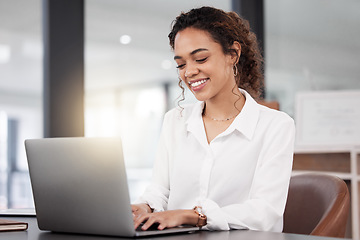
<point x="245" y="122"/>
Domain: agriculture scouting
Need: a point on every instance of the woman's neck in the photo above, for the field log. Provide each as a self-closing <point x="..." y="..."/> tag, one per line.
<point x="226" y="106"/>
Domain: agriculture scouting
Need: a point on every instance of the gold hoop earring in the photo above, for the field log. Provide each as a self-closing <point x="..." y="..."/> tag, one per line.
<point x="235" y="69"/>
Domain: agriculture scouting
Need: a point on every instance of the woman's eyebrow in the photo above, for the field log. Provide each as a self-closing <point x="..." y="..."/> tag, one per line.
<point x="193" y="52"/>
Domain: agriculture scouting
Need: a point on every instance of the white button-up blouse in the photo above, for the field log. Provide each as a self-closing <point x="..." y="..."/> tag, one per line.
<point x="240" y="179"/>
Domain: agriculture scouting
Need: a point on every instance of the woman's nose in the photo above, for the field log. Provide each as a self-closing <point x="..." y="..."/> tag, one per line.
<point x="191" y="71"/>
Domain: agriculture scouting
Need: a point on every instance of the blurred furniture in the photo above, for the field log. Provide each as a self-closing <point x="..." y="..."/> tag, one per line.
<point x="328" y="141"/>
<point x="318" y="204"/>
<point x="342" y="161"/>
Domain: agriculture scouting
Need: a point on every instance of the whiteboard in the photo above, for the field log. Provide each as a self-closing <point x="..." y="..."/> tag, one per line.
<point x="328" y="118"/>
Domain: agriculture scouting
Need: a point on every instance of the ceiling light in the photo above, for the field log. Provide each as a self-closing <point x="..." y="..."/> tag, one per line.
<point x="125" y="39"/>
<point x="166" y="64"/>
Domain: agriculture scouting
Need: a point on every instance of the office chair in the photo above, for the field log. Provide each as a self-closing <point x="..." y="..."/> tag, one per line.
<point x="317" y="204"/>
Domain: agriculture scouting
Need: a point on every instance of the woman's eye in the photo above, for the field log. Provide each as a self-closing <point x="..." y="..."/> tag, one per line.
<point x="180" y="66"/>
<point x="201" y="60"/>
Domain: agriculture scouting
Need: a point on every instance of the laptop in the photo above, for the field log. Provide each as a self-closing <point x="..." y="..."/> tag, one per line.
<point x="80" y="186"/>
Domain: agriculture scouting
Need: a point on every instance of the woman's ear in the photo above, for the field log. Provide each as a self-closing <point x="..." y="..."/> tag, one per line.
<point x="237" y="48"/>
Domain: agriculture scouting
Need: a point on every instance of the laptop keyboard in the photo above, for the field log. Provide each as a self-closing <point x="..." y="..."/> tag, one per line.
<point x="153" y="227"/>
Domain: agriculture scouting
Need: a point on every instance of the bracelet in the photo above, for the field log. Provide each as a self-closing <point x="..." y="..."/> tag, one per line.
<point x="202" y="220"/>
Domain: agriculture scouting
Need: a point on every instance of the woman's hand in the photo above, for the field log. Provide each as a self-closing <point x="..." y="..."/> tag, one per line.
<point x="167" y="219"/>
<point x="139" y="210"/>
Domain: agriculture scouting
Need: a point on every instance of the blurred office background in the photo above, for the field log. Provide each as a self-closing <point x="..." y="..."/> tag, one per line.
<point x="130" y="76"/>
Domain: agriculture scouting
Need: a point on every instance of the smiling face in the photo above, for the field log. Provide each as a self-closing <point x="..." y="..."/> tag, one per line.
<point x="202" y="64"/>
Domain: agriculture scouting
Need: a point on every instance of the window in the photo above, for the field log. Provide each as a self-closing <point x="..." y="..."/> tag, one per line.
<point x="20" y="96"/>
<point x="311" y="45"/>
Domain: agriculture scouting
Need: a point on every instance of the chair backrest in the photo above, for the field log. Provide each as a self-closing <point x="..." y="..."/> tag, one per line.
<point x="317" y="204"/>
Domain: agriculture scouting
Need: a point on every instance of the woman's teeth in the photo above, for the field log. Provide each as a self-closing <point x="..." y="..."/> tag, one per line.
<point x="195" y="84"/>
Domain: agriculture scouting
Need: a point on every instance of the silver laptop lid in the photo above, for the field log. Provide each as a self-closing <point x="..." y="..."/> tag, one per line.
<point x="80" y="186"/>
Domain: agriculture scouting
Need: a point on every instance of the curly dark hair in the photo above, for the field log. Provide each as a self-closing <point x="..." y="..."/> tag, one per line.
<point x="225" y="28"/>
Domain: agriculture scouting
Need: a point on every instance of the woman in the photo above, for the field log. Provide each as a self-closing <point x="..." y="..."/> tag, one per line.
<point x="224" y="162"/>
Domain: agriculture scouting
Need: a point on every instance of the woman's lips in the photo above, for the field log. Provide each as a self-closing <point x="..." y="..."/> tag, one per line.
<point x="197" y="85"/>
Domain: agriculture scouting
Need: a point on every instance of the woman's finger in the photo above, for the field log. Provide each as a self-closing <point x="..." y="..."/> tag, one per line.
<point x="140" y="219"/>
<point x="162" y="226"/>
<point x="150" y="221"/>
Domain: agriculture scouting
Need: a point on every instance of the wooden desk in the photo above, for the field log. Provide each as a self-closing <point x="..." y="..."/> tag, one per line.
<point x="33" y="233"/>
